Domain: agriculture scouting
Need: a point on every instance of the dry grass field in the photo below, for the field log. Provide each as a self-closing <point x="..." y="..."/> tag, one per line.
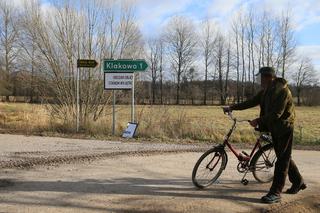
<point x="194" y="123"/>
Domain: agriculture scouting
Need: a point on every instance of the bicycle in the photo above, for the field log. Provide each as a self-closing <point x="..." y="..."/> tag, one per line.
<point x="260" y="161"/>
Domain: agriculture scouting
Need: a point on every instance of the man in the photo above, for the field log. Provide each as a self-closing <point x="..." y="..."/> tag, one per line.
<point x="277" y="116"/>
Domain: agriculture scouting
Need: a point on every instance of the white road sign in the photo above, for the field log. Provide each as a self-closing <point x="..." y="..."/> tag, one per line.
<point x="113" y="81"/>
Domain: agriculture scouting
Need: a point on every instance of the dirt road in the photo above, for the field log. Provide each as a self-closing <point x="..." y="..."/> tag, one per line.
<point x="147" y="183"/>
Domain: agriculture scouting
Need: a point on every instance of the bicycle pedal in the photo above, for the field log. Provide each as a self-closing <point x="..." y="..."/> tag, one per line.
<point x="244" y="182"/>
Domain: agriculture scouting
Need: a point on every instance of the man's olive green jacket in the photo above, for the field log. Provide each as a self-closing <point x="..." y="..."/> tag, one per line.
<point x="277" y="109"/>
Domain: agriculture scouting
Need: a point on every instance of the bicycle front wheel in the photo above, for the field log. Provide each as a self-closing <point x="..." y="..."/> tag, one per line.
<point x="209" y="167"/>
<point x="263" y="163"/>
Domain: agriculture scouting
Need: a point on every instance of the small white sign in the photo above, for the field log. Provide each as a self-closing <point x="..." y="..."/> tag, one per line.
<point x="114" y="81"/>
<point x="130" y="130"/>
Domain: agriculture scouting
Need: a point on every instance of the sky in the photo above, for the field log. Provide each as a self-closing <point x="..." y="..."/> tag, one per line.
<point x="154" y="14"/>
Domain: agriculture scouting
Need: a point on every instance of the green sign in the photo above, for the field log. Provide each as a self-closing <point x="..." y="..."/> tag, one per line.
<point x="110" y="65"/>
<point x="87" y="63"/>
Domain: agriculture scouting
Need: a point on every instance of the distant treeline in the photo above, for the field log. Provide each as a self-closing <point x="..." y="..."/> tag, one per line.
<point x="192" y="93"/>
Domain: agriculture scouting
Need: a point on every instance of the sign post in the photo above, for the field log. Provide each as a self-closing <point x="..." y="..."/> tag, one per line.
<point x="86" y="63"/>
<point x="119" y="74"/>
<point x="132" y="102"/>
<point x="113" y="112"/>
<point x="78" y="100"/>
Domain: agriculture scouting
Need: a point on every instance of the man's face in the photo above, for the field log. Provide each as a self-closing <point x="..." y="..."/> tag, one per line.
<point x="266" y="80"/>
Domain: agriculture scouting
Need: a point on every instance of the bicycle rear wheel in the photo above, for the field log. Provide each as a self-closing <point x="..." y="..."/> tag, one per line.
<point x="209" y="167"/>
<point x="263" y="163"/>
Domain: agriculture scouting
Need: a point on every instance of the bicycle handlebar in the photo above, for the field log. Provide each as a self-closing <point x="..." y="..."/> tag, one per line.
<point x="235" y="120"/>
<point x="229" y="113"/>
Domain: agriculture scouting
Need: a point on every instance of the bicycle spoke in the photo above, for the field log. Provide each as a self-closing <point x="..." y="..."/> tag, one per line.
<point x="208" y="169"/>
<point x="264" y="165"/>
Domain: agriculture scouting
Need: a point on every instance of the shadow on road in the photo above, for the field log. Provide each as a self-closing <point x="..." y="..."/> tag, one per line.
<point x="183" y="188"/>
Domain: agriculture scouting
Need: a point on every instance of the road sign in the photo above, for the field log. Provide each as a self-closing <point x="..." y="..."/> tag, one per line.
<point x="110" y="65"/>
<point x="113" y="81"/>
<point x="119" y="74"/>
<point x="87" y="63"/>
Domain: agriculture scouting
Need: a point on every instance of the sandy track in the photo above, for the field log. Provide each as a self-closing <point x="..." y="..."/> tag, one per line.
<point x="148" y="183"/>
<point x="17" y="151"/>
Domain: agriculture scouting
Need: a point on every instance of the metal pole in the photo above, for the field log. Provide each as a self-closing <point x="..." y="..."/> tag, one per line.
<point x="113" y="113"/>
<point x="78" y="98"/>
<point x="132" y="102"/>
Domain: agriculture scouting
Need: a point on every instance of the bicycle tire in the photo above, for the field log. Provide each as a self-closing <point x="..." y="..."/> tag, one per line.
<point x="222" y="156"/>
<point x="267" y="162"/>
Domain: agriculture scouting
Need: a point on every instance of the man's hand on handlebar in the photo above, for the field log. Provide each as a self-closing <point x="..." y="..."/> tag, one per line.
<point x="254" y="123"/>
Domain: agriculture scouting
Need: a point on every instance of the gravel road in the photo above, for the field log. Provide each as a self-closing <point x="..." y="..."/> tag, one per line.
<point x="155" y="181"/>
<point x="17" y="151"/>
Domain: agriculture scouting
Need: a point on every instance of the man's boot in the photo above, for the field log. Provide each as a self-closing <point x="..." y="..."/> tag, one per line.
<point x="271" y="198"/>
<point x="296" y="188"/>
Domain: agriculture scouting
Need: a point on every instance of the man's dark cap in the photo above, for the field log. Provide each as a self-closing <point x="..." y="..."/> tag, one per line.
<point x="267" y="71"/>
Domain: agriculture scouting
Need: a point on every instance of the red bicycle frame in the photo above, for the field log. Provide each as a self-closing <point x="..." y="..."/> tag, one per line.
<point x="239" y="155"/>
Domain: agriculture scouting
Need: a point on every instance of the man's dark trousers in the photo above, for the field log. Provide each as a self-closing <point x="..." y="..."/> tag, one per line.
<point x="284" y="165"/>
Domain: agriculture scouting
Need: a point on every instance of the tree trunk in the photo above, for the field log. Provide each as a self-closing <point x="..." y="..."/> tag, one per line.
<point x="153" y="91"/>
<point x="205" y="83"/>
<point x="298" y="96"/>
<point x="222" y="99"/>
<point x="227" y="75"/>
<point x="238" y="70"/>
<point x="160" y="70"/>
<point x="243" y="66"/>
<point x="178" y="90"/>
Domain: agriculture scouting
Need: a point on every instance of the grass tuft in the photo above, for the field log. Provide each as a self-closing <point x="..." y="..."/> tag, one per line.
<point x="201" y="123"/>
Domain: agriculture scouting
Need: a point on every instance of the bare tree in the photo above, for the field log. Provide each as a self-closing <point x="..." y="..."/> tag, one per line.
<point x="261" y="43"/>
<point x="228" y="65"/>
<point x="305" y="75"/>
<point x="251" y="31"/>
<point x="267" y="31"/>
<point x="153" y="58"/>
<point x="287" y="41"/>
<point x="71" y="32"/>
<point x="30" y="56"/>
<point x="235" y="29"/>
<point x="191" y="75"/>
<point x="242" y="23"/>
<point x="8" y="44"/>
<point x="123" y="37"/>
<point x="219" y="57"/>
<point x="207" y="45"/>
<point x="161" y="65"/>
<point x="181" y="44"/>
